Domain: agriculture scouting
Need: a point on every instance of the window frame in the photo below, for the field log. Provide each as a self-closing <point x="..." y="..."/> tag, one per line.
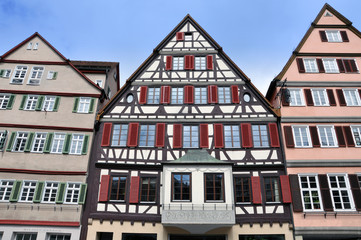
<point x="310" y="65"/>
<point x="333" y="133"/>
<point x="78" y="143"/>
<point x="224" y="95"/>
<point x="327" y="65"/>
<point x="21" y="71"/>
<point x="30" y="191"/>
<point x="148" y="190"/>
<point x="153" y="95"/>
<point x="347" y="188"/>
<point x="22" y="142"/>
<point x="356" y="97"/>
<point x="5" y="195"/>
<point x="57" y="140"/>
<point x="84" y="105"/>
<point x="310" y="191"/>
<point x="293" y="92"/>
<point x="357" y="143"/>
<point x="177" y="95"/>
<point x="331" y="37"/>
<point x="74" y="192"/>
<point x="52" y="191"/>
<point x="4" y="100"/>
<point x="260" y="135"/>
<point x="273" y="190"/>
<point x="181" y="187"/>
<point x="191" y="136"/>
<point x="3" y="137"/>
<point x="57" y="235"/>
<point x="200" y="95"/>
<point x="242" y="191"/>
<point x="222" y="195"/>
<point x="6" y="73"/>
<point x="148" y="131"/>
<point x="36" y="74"/>
<point x="31" y="102"/>
<point x="233" y="143"/>
<point x="48" y="104"/>
<point x="178" y="63"/>
<point x="308" y="135"/>
<point x="25" y="234"/>
<point x="122" y="138"/>
<point x="200" y="63"/>
<point x="41" y="141"/>
<point x="99" y="82"/>
<point x="124" y="193"/>
<point x="316" y="96"/>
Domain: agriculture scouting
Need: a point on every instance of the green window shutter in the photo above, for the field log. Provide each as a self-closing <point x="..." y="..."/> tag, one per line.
<point x="91" y="106"/>
<point x="15" y="192"/>
<point x="29" y="142"/>
<point x="67" y="141"/>
<point x="39" y="103"/>
<point x="84" y="149"/>
<point x="56" y="104"/>
<point x="23" y="100"/>
<point x="55" y="75"/>
<point x="2" y="72"/>
<point x="60" y="193"/>
<point x="82" y="194"/>
<point x="11" y="142"/>
<point x="75" y="107"/>
<point x="38" y="192"/>
<point x="11" y="102"/>
<point x="48" y="142"/>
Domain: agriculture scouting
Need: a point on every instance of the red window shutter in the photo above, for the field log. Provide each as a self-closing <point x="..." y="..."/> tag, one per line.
<point x="347" y="64"/>
<point x="192" y="62"/>
<point x="235" y="95"/>
<point x="133" y="134"/>
<point x="339" y="135"/>
<point x="106" y="134"/>
<point x="209" y="62"/>
<point x="203" y="129"/>
<point x="353" y="66"/>
<point x="212" y="94"/>
<point x="256" y="190"/>
<point x="349" y="137"/>
<point x="160" y="134"/>
<point x="344" y="36"/>
<point x="341" y="98"/>
<point x="359" y="92"/>
<point x="104" y="188"/>
<point x="134" y="190"/>
<point x="296" y="193"/>
<point x="308" y="95"/>
<point x="246" y="135"/>
<point x="300" y="65"/>
<point x="273" y="132"/>
<point x="323" y="36"/>
<point x="325" y="193"/>
<point x="356" y="192"/>
<point x="177" y="135"/>
<point x="331" y="97"/>
<point x="289" y="136"/>
<point x="143" y="95"/>
<point x="314" y="136"/>
<point x="341" y="68"/>
<point x="321" y="69"/>
<point x="169" y="63"/>
<point x="218" y="135"/>
<point x="286" y="190"/>
<point x="189" y="62"/>
<point x="180" y="36"/>
<point x="189" y="94"/>
<point x="165" y="94"/>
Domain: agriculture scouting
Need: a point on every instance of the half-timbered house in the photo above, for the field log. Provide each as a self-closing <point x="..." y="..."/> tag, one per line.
<point x="188" y="148"/>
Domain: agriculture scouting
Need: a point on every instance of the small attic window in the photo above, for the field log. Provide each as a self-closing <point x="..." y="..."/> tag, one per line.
<point x="188" y="36"/>
<point x="36" y="45"/>
<point x="328" y="14"/>
<point x="30" y="46"/>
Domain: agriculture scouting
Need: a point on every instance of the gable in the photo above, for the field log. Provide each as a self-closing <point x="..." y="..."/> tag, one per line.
<point x="329" y="18"/>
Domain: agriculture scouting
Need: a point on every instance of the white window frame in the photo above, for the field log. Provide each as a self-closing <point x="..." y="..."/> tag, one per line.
<point x="19" y="74"/>
<point x="99" y="82"/>
<point x="28" y="191"/>
<point x="192" y="138"/>
<point x="50" y="75"/>
<point x="147" y="131"/>
<point x="232" y="137"/>
<point x="6" y="73"/>
<point x="30" y="46"/>
<point x="4" y="100"/>
<point x="58" y="143"/>
<point x="21" y="137"/>
<point x="224" y="95"/>
<point x="260" y="135"/>
<point x="26" y="236"/>
<point x="50" y="189"/>
<point x="310" y="65"/>
<point x="153" y="95"/>
<point x="59" y="236"/>
<point x="351" y="100"/>
<point x="356" y="133"/>
<point x="310" y="190"/>
<point x="321" y="130"/>
<point x="333" y="36"/>
<point x="308" y="136"/>
<point x="338" y="189"/>
<point x="200" y="95"/>
<point x="35" y="75"/>
<point x="293" y="95"/>
<point x="39" y="142"/>
<point x="76" y="145"/>
<point x="49" y="103"/>
<point x="200" y="63"/>
<point x="84" y="104"/>
<point x="317" y="95"/>
<point x="31" y="102"/>
<point x="330" y="65"/>
<point x="36" y="46"/>
<point x="3" y="137"/>
<point x="178" y="63"/>
<point x="177" y="95"/>
<point x="72" y="193"/>
<point x="6" y="186"/>
<point x="188" y="36"/>
<point x="120" y="135"/>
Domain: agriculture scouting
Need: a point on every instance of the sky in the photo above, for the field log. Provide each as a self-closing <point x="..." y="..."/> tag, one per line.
<point x="258" y="35"/>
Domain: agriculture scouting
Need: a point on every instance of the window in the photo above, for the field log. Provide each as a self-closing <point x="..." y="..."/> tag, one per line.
<point x="147" y="136"/>
<point x="200" y="63"/>
<point x="99" y="82"/>
<point x="320" y="97"/>
<point x="327" y="136"/>
<point x="188" y="36"/>
<point x="356" y="132"/>
<point x="4" y="100"/>
<point x="50" y="190"/>
<point x="5" y="189"/>
<point x="58" y="143"/>
<point x="153" y="95"/>
<point x="231" y="136"/>
<point x="120" y="135"/>
<point x="352" y="97"/>
<point x="72" y="193"/>
<point x="35" y="75"/>
<point x="224" y="95"/>
<point x="214" y="186"/>
<point x="200" y="95"/>
<point x="178" y="63"/>
<point x="333" y="36"/>
<point x="190" y="136"/>
<point x="177" y="95"/>
<point x="340" y="192"/>
<point x="20" y="141"/>
<point x="49" y="103"/>
<point x="5" y="73"/>
<point x="19" y="74"/>
<point x="311" y="196"/>
<point x="148" y="189"/>
<point x="76" y="143"/>
<point x="118" y="188"/>
<point x="39" y="142"/>
<point x="181" y="186"/>
<point x="84" y="104"/>
<point x="272" y="190"/>
<point x="52" y="75"/>
<point x="59" y="237"/>
<point x="296" y="97"/>
<point x="260" y="136"/>
<point x="31" y="102"/>
<point x="242" y="186"/>
<point x="310" y="65"/>
<point x="330" y="65"/>
<point x="3" y="135"/>
<point x="25" y="236"/>
<point x="301" y="136"/>
<point x="28" y="191"/>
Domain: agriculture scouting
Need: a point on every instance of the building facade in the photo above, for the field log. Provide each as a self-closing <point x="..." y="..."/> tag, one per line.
<point x="318" y="96"/>
<point x="47" y="113"/>
<point x="188" y="148"/>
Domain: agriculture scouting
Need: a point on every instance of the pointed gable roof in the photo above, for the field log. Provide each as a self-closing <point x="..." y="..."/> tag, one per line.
<point x="65" y="60"/>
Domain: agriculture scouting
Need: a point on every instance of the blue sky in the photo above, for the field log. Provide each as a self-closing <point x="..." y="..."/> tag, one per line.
<point x="258" y="35"/>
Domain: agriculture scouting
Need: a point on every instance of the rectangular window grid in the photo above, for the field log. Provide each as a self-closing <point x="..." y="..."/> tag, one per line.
<point x="5" y="189"/>
<point x="28" y="191"/>
<point x="333" y="36"/>
<point x="200" y="63"/>
<point x="72" y="193"/>
<point x="147" y="136"/>
<point x="231" y="136"/>
<point x="178" y="63"/>
<point x="59" y="237"/>
<point x="20" y="141"/>
<point x="272" y="189"/>
<point x="301" y="136"/>
<point x="260" y="136"/>
<point x="311" y="196"/>
<point x="214" y="186"/>
<point x="330" y="65"/>
<point x="39" y="142"/>
<point x="190" y="137"/>
<point x="242" y="186"/>
<point x="153" y="95"/>
<point x="181" y="186"/>
<point x="50" y="191"/>
<point x="25" y="236"/>
<point x="31" y="102"/>
<point x="356" y="132"/>
<point x="224" y="95"/>
<point x="118" y="188"/>
<point x="49" y="102"/>
<point x="76" y="143"/>
<point x="352" y="97"/>
<point x="177" y="96"/>
<point x="320" y="97"/>
<point x="296" y="97"/>
<point x="58" y="143"/>
<point x="340" y="192"/>
<point x="19" y="74"/>
<point x="200" y="95"/>
<point x="4" y="100"/>
<point x="84" y="103"/>
<point x="327" y="136"/>
<point x="3" y="135"/>
<point x="310" y="65"/>
<point x="35" y="75"/>
<point x="148" y="189"/>
<point x="120" y="135"/>
<point x="6" y="73"/>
